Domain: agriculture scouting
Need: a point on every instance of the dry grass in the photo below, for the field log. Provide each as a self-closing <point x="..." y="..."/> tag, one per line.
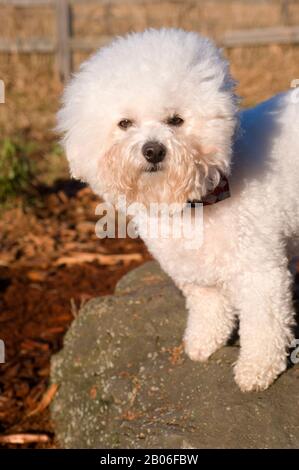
<point x="211" y="17"/>
<point x="33" y="87"/>
<point x="263" y="71"/>
<point x="32" y="91"/>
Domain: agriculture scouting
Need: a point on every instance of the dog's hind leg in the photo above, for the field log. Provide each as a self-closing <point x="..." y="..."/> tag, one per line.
<point x="210" y="322"/>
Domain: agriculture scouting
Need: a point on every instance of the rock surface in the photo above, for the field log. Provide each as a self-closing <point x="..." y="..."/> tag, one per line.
<point x="125" y="382"/>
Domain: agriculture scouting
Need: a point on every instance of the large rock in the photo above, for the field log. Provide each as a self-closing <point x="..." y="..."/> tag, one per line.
<point x="125" y="382"/>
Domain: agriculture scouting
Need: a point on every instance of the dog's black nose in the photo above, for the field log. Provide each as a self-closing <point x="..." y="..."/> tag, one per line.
<point x="154" y="152"/>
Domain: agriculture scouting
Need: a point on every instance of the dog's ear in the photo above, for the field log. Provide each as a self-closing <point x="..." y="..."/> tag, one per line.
<point x="75" y="155"/>
<point x="75" y="141"/>
<point x="64" y="127"/>
<point x="83" y="153"/>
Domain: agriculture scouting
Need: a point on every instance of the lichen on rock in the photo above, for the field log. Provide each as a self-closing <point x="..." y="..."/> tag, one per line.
<point x="125" y="382"/>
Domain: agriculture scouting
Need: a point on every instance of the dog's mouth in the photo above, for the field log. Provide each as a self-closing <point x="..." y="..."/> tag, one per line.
<point x="153" y="168"/>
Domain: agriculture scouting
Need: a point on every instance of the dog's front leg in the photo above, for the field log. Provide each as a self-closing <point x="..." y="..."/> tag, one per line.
<point x="210" y="321"/>
<point x="266" y="318"/>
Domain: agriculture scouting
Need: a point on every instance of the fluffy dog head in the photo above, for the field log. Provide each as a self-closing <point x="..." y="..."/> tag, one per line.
<point x="151" y="117"/>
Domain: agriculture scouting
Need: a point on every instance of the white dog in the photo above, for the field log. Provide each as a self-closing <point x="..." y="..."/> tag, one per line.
<point x="154" y="117"/>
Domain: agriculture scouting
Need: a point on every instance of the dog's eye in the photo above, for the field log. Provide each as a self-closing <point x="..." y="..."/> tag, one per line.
<point x="175" y="120"/>
<point x="125" y="123"/>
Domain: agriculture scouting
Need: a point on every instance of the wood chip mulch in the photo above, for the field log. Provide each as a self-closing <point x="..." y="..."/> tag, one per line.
<point x="51" y="263"/>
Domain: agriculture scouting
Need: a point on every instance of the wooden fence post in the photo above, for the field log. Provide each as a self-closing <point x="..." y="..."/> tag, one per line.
<point x="285" y="13"/>
<point x="64" y="32"/>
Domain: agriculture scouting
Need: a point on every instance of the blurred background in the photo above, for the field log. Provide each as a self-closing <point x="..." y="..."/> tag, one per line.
<point x="50" y="259"/>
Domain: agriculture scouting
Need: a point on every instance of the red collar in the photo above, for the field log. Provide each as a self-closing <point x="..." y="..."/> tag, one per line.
<point x="219" y="193"/>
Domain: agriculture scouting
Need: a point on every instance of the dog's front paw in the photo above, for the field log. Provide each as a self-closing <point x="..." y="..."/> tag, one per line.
<point x="257" y="375"/>
<point x="199" y="349"/>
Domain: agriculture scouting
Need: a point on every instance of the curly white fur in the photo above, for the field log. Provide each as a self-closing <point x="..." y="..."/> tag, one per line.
<point x="241" y="269"/>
